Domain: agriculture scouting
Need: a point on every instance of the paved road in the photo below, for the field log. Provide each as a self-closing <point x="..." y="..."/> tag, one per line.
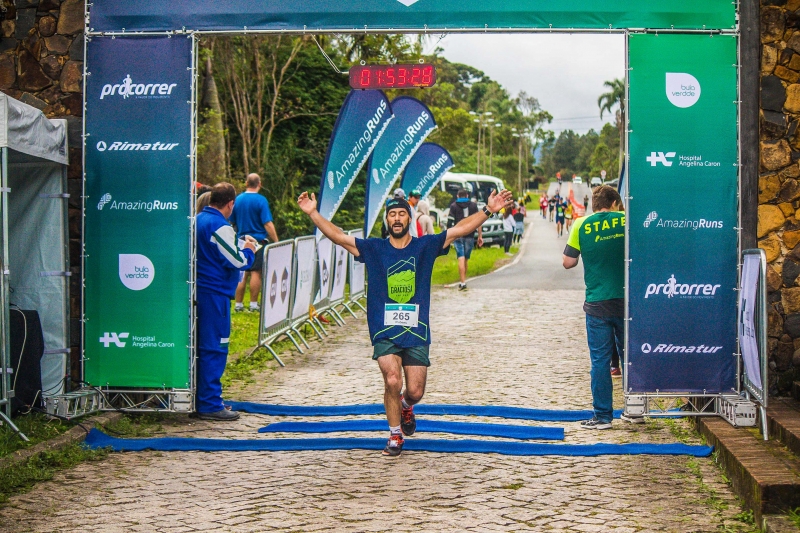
<point x="489" y="347"/>
<point x="540" y="266"/>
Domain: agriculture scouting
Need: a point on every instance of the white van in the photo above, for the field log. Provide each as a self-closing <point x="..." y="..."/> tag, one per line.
<point x="479" y="186"/>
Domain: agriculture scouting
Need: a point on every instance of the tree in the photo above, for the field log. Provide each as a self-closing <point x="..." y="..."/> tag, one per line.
<point x="615" y="97"/>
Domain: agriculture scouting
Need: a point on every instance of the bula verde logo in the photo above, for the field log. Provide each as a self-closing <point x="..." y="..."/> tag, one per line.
<point x="683" y="90"/>
<point x="401" y="279"/>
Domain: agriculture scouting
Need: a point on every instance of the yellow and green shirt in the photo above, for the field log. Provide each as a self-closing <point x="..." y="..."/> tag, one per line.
<point x="600" y="239"/>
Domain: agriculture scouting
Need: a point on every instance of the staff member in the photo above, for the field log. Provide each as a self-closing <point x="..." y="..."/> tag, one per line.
<point x="219" y="260"/>
<point x="252" y="216"/>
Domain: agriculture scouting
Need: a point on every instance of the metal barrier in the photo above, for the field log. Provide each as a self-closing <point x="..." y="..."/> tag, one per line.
<point x="753" y="329"/>
<point x="340" y="268"/>
<point x="322" y="305"/>
<point x="277" y="287"/>
<point x="358" y="286"/>
<point x="304" y="274"/>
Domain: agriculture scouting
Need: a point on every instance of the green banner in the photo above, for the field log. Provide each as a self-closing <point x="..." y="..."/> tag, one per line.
<point x="682" y="213"/>
<point x="137" y="213"/>
<point x="453" y="15"/>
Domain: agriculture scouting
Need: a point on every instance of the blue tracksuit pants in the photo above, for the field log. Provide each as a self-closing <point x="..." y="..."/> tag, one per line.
<point x="213" y="334"/>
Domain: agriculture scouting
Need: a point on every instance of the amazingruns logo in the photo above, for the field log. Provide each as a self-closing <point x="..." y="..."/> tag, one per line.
<point x="654" y="221"/>
<point x="137" y="205"/>
<point x="128" y="88"/>
<point x="365" y="141"/>
<point x="433" y="171"/>
<point x="412" y="133"/>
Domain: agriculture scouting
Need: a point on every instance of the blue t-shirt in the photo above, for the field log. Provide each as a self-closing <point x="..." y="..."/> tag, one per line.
<point x="400" y="276"/>
<point x="250" y="213"/>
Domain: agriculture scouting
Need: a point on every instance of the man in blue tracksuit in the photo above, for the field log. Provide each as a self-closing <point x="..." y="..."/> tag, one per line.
<point x="219" y="260"/>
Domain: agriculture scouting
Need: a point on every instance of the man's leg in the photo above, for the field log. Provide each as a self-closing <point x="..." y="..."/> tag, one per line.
<point x="213" y="332"/>
<point x="600" y="334"/>
<point x="462" y="269"/>
<point x="416" y="378"/>
<point x="255" y="288"/>
<point x="240" y="292"/>
<point x="391" y="366"/>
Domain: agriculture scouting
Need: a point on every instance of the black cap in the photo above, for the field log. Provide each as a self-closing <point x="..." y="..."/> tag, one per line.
<point x="398" y="203"/>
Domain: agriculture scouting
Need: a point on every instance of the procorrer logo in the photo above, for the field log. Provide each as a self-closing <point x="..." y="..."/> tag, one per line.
<point x="675" y="348"/>
<point x="672" y="288"/>
<point x="127" y="89"/>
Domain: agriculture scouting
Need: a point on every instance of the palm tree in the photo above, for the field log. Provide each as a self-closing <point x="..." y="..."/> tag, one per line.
<point x="615" y="96"/>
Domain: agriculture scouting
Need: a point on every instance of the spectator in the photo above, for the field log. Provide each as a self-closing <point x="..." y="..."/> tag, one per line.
<point x="219" y="260"/>
<point x="508" y="229"/>
<point x="424" y="219"/>
<point x="413" y="200"/>
<point x="519" y="221"/>
<point x="202" y="202"/>
<point x="600" y="239"/>
<point x="462" y="208"/>
<point x="251" y="216"/>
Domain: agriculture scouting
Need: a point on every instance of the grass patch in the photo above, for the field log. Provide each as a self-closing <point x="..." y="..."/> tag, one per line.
<point x="42" y="467"/>
<point x="513" y="486"/>
<point x="137" y="425"/>
<point x="38" y="427"/>
<point x="483" y="261"/>
<point x="794" y="516"/>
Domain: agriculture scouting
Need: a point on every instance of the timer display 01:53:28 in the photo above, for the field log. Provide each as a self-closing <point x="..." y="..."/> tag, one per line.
<point x="392" y="76"/>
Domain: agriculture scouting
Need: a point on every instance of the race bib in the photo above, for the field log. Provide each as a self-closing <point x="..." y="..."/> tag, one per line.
<point x="401" y="315"/>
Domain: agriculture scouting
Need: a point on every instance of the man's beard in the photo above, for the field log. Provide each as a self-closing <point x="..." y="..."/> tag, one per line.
<point x="398" y="235"/>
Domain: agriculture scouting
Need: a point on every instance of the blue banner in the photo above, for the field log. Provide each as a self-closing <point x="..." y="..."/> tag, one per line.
<point x="361" y="15"/>
<point x="426" y="168"/>
<point x="682" y="214"/>
<point x="361" y="122"/>
<point x="412" y="124"/>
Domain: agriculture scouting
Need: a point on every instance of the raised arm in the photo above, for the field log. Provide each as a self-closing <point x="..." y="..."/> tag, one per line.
<point x="495" y="203"/>
<point x="336" y="235"/>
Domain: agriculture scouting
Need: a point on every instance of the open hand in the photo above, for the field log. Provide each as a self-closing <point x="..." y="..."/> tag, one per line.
<point x="480" y="241"/>
<point x="306" y="203"/>
<point x="498" y="201"/>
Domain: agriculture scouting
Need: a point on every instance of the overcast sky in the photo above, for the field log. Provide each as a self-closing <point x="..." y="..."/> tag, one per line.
<point x="565" y="72"/>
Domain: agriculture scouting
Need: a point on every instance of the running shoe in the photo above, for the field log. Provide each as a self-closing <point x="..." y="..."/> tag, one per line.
<point x="237" y="309"/>
<point x="255" y="309"/>
<point x="632" y="419"/>
<point x="395" y="446"/>
<point x="408" y="422"/>
<point x="462" y="286"/>
<point x="594" y="423"/>
<point x="616" y="373"/>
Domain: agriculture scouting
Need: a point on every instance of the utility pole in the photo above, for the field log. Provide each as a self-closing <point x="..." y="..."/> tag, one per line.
<point x="491" y="146"/>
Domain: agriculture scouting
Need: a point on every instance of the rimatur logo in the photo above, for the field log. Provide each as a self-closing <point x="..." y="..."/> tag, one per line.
<point x="683" y="90"/>
<point x="660" y="157"/>
<point x="672" y="288"/>
<point x="679" y="348"/>
<point x="136" y="271"/>
<point x="114" y="338"/>
<point x="123" y="146"/>
<point x="408" y="3"/>
<point x="127" y="89"/>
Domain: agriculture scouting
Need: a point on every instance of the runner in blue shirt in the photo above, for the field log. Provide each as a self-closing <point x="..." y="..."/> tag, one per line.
<point x="399" y="270"/>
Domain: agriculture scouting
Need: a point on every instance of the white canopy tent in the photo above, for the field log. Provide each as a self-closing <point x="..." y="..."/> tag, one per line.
<point x="35" y="255"/>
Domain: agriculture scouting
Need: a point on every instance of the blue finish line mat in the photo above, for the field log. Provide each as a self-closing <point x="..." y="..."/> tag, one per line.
<point x="97" y="439"/>
<point x="519" y="413"/>
<point x="423" y="426"/>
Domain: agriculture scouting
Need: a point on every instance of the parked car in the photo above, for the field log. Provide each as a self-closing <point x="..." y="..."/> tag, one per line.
<point x="595" y="182"/>
<point x="577" y="179"/>
<point x="492" y="231"/>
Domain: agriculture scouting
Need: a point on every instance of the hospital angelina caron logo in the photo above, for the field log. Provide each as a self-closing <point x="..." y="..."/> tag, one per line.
<point x="683" y="90"/>
<point x="136" y="271"/>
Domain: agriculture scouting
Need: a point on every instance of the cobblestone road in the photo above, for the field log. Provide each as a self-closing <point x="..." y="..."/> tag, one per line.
<point x="528" y="350"/>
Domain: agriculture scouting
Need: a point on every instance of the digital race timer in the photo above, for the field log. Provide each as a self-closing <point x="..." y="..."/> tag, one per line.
<point x="392" y="76"/>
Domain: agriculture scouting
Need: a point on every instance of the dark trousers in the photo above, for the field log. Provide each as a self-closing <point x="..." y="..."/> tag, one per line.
<point x="509" y="236"/>
<point x="603" y="334"/>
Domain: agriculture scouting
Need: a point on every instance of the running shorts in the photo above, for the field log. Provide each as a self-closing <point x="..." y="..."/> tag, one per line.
<point x="414" y="356"/>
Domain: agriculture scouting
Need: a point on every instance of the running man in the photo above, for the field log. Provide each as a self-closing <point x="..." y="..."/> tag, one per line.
<point x="552" y="202"/>
<point x="561" y="208"/>
<point x="398" y="300"/>
<point x="568" y="213"/>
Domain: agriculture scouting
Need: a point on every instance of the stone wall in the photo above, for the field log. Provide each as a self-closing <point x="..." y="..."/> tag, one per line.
<point x="779" y="185"/>
<point x="41" y="64"/>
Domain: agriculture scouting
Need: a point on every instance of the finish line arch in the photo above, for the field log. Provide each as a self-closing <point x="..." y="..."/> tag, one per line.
<point x="683" y="80"/>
